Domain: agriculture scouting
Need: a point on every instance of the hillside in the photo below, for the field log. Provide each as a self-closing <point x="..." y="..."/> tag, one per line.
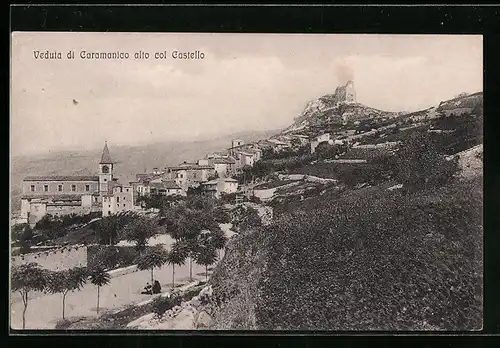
<point x="322" y="115"/>
<point x="131" y="159"/>
<point x="324" y="112"/>
<point x="396" y="245"/>
<point x="366" y="259"/>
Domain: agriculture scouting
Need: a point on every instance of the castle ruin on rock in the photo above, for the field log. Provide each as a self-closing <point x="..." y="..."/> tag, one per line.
<point x="345" y="94"/>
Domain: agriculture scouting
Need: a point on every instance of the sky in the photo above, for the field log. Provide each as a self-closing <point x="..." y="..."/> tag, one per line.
<point x="246" y="82"/>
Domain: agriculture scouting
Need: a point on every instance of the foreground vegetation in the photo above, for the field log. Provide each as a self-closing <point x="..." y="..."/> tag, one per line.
<point x="396" y="262"/>
<point x="367" y="259"/>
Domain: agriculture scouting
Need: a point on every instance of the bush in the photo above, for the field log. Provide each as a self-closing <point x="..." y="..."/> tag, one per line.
<point x="162" y="304"/>
<point x="63" y="324"/>
<point x="52" y="227"/>
<point x="111" y="257"/>
<point x="420" y="164"/>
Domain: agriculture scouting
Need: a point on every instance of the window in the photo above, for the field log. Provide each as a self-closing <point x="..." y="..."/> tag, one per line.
<point x="87" y="188"/>
<point x="127" y="190"/>
<point x="109" y="206"/>
<point x="117" y="199"/>
<point x="105" y="169"/>
<point x="105" y="179"/>
<point x="73" y="188"/>
<point x="60" y="187"/>
<point x="32" y="188"/>
<point x="46" y="188"/>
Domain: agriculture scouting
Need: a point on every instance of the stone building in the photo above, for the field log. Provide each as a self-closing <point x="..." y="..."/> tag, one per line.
<point x="345" y="94"/>
<point x="62" y="195"/>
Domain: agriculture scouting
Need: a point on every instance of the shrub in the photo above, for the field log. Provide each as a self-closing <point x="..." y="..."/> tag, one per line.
<point x="63" y="324"/>
<point x="420" y="164"/>
<point x="162" y="304"/>
<point x="110" y="257"/>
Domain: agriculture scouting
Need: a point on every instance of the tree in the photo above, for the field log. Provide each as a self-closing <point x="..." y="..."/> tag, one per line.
<point x="246" y="218"/>
<point x="205" y="255"/>
<point x="25" y="279"/>
<point x="155" y="256"/>
<point x="139" y="231"/>
<point x="107" y="230"/>
<point x="99" y="277"/>
<point x="295" y="143"/>
<point x="65" y="281"/>
<point x="419" y="163"/>
<point x="177" y="256"/>
<point x="109" y="227"/>
<point x="325" y="150"/>
<point x="25" y="239"/>
<point x="186" y="222"/>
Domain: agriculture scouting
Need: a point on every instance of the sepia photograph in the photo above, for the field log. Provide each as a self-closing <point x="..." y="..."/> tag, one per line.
<point x="237" y="181"/>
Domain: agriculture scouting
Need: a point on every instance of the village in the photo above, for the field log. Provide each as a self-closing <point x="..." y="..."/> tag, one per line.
<point x="186" y="215"/>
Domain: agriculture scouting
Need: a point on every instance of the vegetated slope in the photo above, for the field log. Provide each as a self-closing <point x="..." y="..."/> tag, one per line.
<point x="468" y="101"/>
<point x="391" y="262"/>
<point x="325" y="116"/>
<point x="322" y="114"/>
<point x="366" y="260"/>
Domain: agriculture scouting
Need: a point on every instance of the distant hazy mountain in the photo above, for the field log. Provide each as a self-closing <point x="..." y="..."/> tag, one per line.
<point x="130" y="159"/>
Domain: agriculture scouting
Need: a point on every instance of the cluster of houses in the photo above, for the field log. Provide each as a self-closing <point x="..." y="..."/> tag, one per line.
<point x="212" y="175"/>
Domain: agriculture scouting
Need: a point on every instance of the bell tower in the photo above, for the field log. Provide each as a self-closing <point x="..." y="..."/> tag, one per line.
<point x="105" y="170"/>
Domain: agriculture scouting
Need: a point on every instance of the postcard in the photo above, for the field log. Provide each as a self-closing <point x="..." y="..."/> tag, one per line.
<point x="231" y="181"/>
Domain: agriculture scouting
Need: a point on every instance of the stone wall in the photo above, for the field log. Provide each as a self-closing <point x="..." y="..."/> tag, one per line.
<point x="55" y="259"/>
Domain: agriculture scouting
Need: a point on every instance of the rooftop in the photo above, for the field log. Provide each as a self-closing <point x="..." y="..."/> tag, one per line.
<point x="193" y="166"/>
<point x="62" y="178"/>
<point x="106" y="157"/>
<point x="245" y="153"/>
<point x="224" y="160"/>
<point x="167" y="185"/>
<point x="64" y="197"/>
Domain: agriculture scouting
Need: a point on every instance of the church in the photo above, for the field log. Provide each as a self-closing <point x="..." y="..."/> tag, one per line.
<point x="64" y="195"/>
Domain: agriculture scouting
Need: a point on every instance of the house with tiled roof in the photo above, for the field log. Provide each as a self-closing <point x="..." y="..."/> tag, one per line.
<point x="217" y="187"/>
<point x="224" y="166"/>
<point x="66" y="194"/>
<point x="166" y="188"/>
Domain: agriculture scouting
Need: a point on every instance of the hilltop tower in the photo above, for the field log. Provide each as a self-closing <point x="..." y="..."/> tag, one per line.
<point x="345" y="94"/>
<point x="105" y="170"/>
<point x="350" y="93"/>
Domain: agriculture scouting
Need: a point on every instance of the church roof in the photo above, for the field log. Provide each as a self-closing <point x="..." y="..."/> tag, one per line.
<point x="62" y="178"/>
<point x="62" y="197"/>
<point x="106" y="157"/>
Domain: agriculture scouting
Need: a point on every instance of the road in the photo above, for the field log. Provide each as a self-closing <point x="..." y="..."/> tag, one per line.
<point x="44" y="310"/>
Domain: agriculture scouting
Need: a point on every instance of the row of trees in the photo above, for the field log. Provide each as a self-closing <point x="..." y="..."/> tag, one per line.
<point x="28" y="278"/>
<point x="193" y="224"/>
